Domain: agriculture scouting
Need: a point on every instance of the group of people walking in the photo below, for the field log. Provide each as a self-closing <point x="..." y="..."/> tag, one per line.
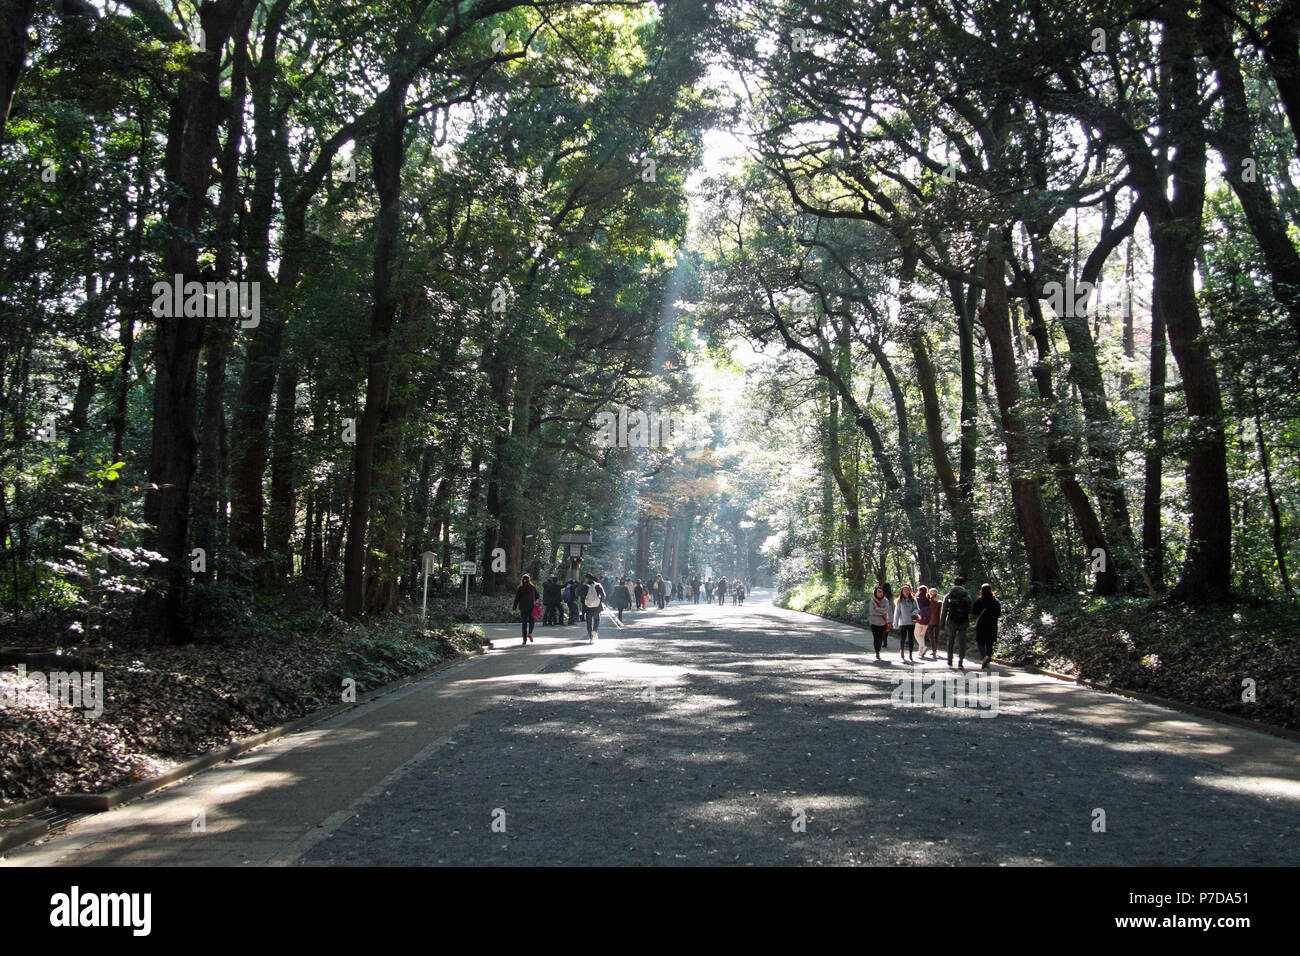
<point x="564" y="603"/>
<point x="583" y="598"/>
<point x="723" y="589"/>
<point x="926" y="618"/>
<point x="920" y="618"/>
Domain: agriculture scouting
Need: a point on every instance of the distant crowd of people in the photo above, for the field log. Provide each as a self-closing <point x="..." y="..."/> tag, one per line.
<point x="925" y="618"/>
<point x="922" y="618"/>
<point x="564" y="603"/>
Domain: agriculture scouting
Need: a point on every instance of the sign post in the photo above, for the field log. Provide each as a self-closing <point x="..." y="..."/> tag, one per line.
<point x="467" y="570"/>
<point x="428" y="558"/>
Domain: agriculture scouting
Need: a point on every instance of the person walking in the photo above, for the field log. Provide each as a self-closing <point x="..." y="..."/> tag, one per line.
<point x="925" y="609"/>
<point x="658" y="587"/>
<point x="986" y="611"/>
<point x="695" y="589"/>
<point x="878" y="617"/>
<point x="708" y="590"/>
<point x="905" y="616"/>
<point x="570" y="597"/>
<point x="621" y="598"/>
<point x="592" y="595"/>
<point x="954" y="619"/>
<point x="551" y="604"/>
<point x="722" y="590"/>
<point x="740" y="592"/>
<point x="525" y="600"/>
<point x="639" y="593"/>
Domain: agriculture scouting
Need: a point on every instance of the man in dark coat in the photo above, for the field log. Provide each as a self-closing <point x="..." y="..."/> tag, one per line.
<point x="552" y="605"/>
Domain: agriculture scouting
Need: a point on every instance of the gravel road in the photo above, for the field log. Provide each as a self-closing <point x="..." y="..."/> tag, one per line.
<point x="740" y="737"/>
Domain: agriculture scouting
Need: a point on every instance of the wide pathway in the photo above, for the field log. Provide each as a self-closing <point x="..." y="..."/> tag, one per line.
<point x="723" y="735"/>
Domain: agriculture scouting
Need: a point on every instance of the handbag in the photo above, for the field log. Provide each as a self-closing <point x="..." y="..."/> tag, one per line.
<point x="537" y="610"/>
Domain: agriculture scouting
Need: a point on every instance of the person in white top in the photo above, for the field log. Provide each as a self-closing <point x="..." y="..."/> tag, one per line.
<point x="905" y="617"/>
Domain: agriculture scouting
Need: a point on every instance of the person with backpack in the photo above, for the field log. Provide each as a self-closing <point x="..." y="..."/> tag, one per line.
<point x="878" y="617"/>
<point x="986" y="609"/>
<point x="905" y="616"/>
<point x="926" y="614"/>
<point x="570" y="597"/>
<point x="954" y="617"/>
<point x="592" y="594"/>
<point x="525" y="599"/>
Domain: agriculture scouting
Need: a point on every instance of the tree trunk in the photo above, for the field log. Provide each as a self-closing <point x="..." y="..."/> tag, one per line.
<point x="387" y="154"/>
<point x="1044" y="571"/>
<point x="911" y="488"/>
<point x="1153" y="542"/>
<point x="1279" y="550"/>
<point x="967" y="555"/>
<point x="191" y="146"/>
<point x="1063" y="453"/>
<point x="280" y="515"/>
<point x="1176" y="236"/>
<point x="210" y="480"/>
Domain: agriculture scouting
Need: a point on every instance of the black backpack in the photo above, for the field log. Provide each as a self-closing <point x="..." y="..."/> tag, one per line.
<point x="959" y="608"/>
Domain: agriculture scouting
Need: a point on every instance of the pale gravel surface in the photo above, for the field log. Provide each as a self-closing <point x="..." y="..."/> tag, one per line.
<point x="688" y="741"/>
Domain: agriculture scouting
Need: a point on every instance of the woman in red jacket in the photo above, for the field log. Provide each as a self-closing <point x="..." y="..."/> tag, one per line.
<point x="525" y="598"/>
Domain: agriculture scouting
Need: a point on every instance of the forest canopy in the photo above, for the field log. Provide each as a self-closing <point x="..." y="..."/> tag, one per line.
<point x="1003" y="289"/>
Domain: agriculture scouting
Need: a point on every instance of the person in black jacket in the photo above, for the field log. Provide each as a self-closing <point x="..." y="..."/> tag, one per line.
<point x="620" y="597"/>
<point x="525" y="598"/>
<point x="954" y="617"/>
<point x="551" y="602"/>
<point x="986" y="610"/>
<point x="570" y="597"/>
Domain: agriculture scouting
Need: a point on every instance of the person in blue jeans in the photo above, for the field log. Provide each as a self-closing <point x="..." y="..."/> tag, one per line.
<point x="570" y="598"/>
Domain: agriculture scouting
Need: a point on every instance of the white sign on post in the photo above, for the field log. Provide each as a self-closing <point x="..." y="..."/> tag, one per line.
<point x="428" y="558"/>
<point x="467" y="570"/>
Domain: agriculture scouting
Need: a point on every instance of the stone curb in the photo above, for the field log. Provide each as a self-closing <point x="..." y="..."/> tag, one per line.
<point x="20" y="831"/>
<point x="25" y="808"/>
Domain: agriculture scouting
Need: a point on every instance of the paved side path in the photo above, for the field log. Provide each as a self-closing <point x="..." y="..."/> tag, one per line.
<point x="728" y="735"/>
<point x="270" y="805"/>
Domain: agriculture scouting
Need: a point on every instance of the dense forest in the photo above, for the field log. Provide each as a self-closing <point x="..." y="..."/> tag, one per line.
<point x="294" y="292"/>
